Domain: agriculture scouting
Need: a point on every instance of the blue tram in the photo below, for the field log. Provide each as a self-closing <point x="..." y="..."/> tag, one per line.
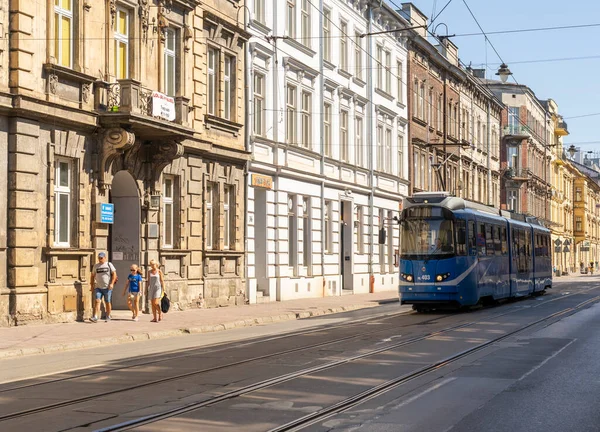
<point x="458" y="253"/>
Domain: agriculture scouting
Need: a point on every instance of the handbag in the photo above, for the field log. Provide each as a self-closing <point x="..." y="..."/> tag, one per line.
<point x="165" y="303"/>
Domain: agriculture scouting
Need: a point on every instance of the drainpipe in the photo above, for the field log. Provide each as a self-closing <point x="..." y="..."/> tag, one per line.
<point x="321" y="135"/>
<point x="248" y="98"/>
<point x="370" y="123"/>
<point x="489" y="147"/>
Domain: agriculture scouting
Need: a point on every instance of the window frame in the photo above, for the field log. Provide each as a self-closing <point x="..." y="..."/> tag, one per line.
<point x="327" y="129"/>
<point x="122" y="38"/>
<point x="327" y="35"/>
<point x="328" y="227"/>
<point x="59" y="191"/>
<point x="212" y="81"/>
<point x="344" y="46"/>
<point x="170" y="77"/>
<point x="306" y="118"/>
<point x="305" y="24"/>
<point x="259" y="99"/>
<point x="59" y="14"/>
<point x="210" y="215"/>
<point x="344" y="151"/>
<point x="168" y="201"/>
<point x="229" y="87"/>
<point x="291" y="18"/>
<point x="291" y="127"/>
<point x="359" y="141"/>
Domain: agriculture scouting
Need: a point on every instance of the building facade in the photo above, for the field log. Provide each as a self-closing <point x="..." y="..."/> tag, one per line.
<point x="129" y="104"/>
<point x="454" y="120"/>
<point x="328" y="143"/>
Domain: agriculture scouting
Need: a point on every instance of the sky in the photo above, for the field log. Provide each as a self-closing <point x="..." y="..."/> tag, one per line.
<point x="570" y="83"/>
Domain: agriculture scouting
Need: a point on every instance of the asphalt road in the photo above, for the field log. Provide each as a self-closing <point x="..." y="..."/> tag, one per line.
<point x="529" y="365"/>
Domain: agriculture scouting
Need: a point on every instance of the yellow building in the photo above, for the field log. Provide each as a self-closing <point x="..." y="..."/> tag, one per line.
<point x="586" y="218"/>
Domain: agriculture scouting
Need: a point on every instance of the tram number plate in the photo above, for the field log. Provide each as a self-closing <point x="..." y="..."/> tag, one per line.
<point x="425" y="277"/>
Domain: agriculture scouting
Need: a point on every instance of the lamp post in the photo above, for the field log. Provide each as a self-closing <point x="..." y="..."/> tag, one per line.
<point x="572" y="150"/>
<point x="503" y="72"/>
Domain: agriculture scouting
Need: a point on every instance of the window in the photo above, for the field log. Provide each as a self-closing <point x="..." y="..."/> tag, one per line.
<point x="415" y="97"/>
<point x="229" y="88"/>
<point x="170" y="56"/>
<point x="228" y="214"/>
<point x="382" y="254"/>
<point x="481" y="240"/>
<point x="513" y="157"/>
<point x="291" y="18"/>
<point x="210" y="216"/>
<point x="168" y="212"/>
<point x="422" y="101"/>
<point x="388" y="71"/>
<point x="380" y="150"/>
<point x="430" y="108"/>
<point x="327" y="35"/>
<point x="327" y="229"/>
<point x="259" y="11"/>
<point x="122" y="44"/>
<point x="578" y="224"/>
<point x="62" y="202"/>
<point x="578" y="194"/>
<point x="461" y="237"/>
<point x="259" y="104"/>
<point x="344" y="135"/>
<point x="306" y="234"/>
<point x="399" y="92"/>
<point x="384" y="69"/>
<point x="390" y="241"/>
<point x="400" y="156"/>
<point x="513" y="201"/>
<point x="63" y="32"/>
<point x="292" y="232"/>
<point x="327" y="129"/>
<point x="359" y="141"/>
<point x="306" y="119"/>
<point x="212" y="80"/>
<point x="291" y="114"/>
<point x="358" y="63"/>
<point x="360" y="218"/>
<point x="388" y="151"/>
<point x="440" y="118"/>
<point x="513" y="120"/>
<point x="343" y="46"/>
<point x="416" y="169"/>
<point x="305" y="22"/>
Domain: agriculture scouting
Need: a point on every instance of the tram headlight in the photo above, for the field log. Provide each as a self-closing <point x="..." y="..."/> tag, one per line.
<point x="407" y="277"/>
<point x="442" y="277"/>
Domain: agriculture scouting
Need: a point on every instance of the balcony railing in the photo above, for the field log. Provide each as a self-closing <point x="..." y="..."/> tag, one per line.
<point x="518" y="130"/>
<point x="520" y="173"/>
<point x="130" y="97"/>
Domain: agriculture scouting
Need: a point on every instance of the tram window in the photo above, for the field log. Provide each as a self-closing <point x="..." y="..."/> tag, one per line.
<point x="497" y="244"/>
<point x="546" y="246"/>
<point x="472" y="244"/>
<point x="527" y="243"/>
<point x="481" y="239"/>
<point x="515" y="241"/>
<point x="504" y="242"/>
<point x="461" y="237"/>
<point x="489" y="240"/>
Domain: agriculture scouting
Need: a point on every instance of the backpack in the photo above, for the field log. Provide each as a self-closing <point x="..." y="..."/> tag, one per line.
<point x="165" y="303"/>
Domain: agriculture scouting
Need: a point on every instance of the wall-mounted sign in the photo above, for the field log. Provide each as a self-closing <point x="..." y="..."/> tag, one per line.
<point x="262" y="181"/>
<point x="105" y="213"/>
<point x="163" y="106"/>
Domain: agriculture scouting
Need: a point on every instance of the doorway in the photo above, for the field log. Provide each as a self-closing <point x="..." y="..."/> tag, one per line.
<point x="346" y="246"/>
<point x="124" y="236"/>
<point x="260" y="241"/>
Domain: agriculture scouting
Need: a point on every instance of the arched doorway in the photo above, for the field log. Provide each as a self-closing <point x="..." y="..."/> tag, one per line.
<point x="124" y="239"/>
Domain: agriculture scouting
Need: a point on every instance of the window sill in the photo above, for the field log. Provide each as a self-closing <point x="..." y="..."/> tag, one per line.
<point x="359" y="81"/>
<point x="57" y="250"/>
<point x="261" y="27"/>
<point x="344" y="73"/>
<point x="173" y="252"/>
<point x="417" y="120"/>
<point x="384" y="94"/>
<point x="67" y="73"/>
<point x="401" y="105"/>
<point x="299" y="46"/>
<point x="328" y="65"/>
<point x="222" y="124"/>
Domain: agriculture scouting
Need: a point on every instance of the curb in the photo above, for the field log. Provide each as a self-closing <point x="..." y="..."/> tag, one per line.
<point x="209" y="328"/>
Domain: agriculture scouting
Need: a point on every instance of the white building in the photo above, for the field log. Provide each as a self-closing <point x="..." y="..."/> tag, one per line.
<point x="329" y="158"/>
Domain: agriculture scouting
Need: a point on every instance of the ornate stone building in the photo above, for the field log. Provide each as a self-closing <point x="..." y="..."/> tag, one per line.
<point x="128" y="112"/>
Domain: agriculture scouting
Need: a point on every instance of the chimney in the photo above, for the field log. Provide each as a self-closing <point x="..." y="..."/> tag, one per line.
<point x="449" y="50"/>
<point x="479" y="73"/>
<point x="415" y="17"/>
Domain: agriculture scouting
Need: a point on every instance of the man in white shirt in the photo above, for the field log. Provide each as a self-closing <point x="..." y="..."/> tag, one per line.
<point x="104" y="277"/>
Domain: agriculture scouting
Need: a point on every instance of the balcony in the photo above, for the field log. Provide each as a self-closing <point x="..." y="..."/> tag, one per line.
<point x="561" y="128"/>
<point x="147" y="113"/>
<point x="520" y="174"/>
<point x="516" y="131"/>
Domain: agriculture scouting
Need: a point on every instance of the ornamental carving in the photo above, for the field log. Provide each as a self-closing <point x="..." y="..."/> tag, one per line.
<point x="53" y="83"/>
<point x="113" y="144"/>
<point x="86" y="91"/>
<point x="144" y="11"/>
<point x="113" y="12"/>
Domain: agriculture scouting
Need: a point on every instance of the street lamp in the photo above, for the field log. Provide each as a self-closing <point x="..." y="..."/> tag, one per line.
<point x="504" y="72"/>
<point x="572" y="150"/>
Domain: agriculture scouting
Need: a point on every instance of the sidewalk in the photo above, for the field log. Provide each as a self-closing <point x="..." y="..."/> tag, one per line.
<point x="48" y="338"/>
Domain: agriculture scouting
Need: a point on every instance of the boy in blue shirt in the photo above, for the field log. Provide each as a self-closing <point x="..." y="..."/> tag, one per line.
<point x="134" y="282"/>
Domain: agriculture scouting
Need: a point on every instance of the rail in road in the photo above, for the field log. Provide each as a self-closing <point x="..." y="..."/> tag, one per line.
<point x="386" y="325"/>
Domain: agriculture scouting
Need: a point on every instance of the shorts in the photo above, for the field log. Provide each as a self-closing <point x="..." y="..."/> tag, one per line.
<point x="134" y="293"/>
<point x="103" y="292"/>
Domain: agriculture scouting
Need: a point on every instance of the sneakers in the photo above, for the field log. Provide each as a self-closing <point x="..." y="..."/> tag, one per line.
<point x="94" y="319"/>
<point x="136" y="319"/>
<point x="107" y="319"/>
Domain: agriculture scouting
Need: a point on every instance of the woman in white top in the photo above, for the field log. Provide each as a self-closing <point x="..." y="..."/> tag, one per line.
<point x="154" y="286"/>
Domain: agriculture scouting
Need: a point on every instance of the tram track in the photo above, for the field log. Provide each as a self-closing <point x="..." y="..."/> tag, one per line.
<point x="75" y="401"/>
<point x="351" y="401"/>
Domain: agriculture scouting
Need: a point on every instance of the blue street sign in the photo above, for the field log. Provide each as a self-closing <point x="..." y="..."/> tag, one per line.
<point x="107" y="213"/>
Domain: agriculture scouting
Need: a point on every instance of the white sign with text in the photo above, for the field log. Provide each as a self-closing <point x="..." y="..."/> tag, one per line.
<point x="163" y="106"/>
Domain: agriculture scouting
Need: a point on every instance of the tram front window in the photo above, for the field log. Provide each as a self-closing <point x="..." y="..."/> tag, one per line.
<point x="427" y="238"/>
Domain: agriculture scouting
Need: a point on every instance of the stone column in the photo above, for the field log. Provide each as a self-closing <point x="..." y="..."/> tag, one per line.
<point x="26" y="186"/>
